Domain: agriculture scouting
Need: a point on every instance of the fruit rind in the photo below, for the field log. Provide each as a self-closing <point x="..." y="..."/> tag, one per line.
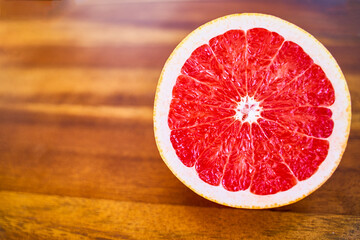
<point x="244" y="199"/>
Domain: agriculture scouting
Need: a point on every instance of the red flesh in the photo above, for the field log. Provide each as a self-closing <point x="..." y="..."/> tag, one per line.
<point x="288" y="142"/>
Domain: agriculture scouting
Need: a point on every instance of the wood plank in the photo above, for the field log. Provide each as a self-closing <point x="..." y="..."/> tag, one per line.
<point x="38" y="32"/>
<point x="328" y="16"/>
<point x="52" y="217"/>
<point x="110" y="87"/>
<point x="25" y="8"/>
<point x="127" y="56"/>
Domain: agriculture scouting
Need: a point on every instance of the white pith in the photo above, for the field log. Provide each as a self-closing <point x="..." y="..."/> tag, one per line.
<point x="340" y="109"/>
<point x="247" y="110"/>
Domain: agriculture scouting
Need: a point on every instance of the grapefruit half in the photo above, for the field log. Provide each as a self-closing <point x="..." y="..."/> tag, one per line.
<point x="252" y="112"/>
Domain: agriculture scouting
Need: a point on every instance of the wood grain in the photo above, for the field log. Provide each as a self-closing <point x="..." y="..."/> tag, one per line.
<point x="54" y="217"/>
<point x="78" y="158"/>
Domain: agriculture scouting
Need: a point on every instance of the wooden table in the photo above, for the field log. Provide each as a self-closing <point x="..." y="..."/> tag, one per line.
<point x="77" y="153"/>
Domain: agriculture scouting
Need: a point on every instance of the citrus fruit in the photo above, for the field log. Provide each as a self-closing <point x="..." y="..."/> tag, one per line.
<point x="251" y="111"/>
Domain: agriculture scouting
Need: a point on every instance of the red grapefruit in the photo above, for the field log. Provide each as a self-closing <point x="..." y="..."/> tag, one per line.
<point x="251" y="111"/>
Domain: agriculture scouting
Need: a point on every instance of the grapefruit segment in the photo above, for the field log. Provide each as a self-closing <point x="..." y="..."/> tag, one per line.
<point x="312" y="121"/>
<point x="262" y="47"/>
<point x="311" y="88"/>
<point x="229" y="49"/>
<point x="302" y="154"/>
<point x="210" y="164"/>
<point x="240" y="166"/>
<point x="290" y="62"/>
<point x="271" y="174"/>
<point x="192" y="141"/>
<point x="203" y="66"/>
<point x="189" y="89"/>
<point x="189" y="113"/>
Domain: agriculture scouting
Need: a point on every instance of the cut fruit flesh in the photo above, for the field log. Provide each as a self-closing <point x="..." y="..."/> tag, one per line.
<point x="258" y="115"/>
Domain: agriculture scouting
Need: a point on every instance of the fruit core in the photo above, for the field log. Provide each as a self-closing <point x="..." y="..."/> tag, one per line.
<point x="248" y="110"/>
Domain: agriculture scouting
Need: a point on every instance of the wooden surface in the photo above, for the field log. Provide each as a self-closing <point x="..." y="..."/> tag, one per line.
<point x="77" y="153"/>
